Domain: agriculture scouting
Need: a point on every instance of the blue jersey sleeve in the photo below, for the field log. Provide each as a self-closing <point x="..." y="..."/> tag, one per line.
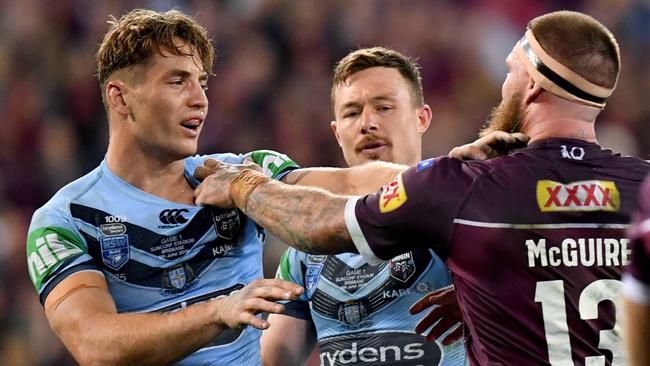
<point x="292" y="269"/>
<point x="55" y="249"/>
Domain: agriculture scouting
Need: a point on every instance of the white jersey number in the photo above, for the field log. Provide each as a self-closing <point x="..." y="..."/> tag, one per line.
<point x="551" y="295"/>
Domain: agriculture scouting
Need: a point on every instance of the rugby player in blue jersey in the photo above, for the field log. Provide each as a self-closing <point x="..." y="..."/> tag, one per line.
<point x="535" y="240"/>
<point x="124" y="262"/>
<point x="357" y="313"/>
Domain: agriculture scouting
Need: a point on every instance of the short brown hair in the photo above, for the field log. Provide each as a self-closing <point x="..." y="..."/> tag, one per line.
<point x="365" y="58"/>
<point x="140" y="33"/>
<point x="580" y="43"/>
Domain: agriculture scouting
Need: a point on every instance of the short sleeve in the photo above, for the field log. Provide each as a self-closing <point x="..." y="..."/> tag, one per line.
<point x="292" y="268"/>
<point x="55" y="250"/>
<point x="417" y="208"/>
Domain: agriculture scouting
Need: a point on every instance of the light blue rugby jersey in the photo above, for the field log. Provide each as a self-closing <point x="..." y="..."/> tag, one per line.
<point x="156" y="255"/>
<point x="361" y="311"/>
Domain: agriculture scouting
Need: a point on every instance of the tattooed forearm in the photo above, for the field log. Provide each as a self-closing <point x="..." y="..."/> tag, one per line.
<point x="308" y="219"/>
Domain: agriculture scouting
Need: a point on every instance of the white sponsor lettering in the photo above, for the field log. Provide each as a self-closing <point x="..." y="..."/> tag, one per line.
<point x="581" y="251"/>
<point x="115" y="218"/>
<point x="383" y="354"/>
<point x="50" y="250"/>
<point x="389" y="294"/>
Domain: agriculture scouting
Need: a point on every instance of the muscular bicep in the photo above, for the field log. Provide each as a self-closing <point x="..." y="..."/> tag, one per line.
<point x="358" y="180"/>
<point x="79" y="298"/>
<point x="287" y="341"/>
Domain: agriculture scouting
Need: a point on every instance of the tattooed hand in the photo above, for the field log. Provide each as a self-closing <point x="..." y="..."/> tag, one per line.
<point x="217" y="177"/>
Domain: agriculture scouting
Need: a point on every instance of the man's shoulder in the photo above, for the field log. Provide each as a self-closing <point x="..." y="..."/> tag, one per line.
<point x="59" y="203"/>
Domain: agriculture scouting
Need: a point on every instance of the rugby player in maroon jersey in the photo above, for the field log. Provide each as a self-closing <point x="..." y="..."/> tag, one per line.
<point x="535" y="240"/>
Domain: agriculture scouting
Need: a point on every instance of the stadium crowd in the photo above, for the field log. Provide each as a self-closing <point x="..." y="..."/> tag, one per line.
<point x="271" y="90"/>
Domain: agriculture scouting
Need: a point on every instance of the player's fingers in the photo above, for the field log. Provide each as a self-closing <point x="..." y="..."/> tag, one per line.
<point x="211" y="163"/>
<point x="250" y="319"/>
<point x="282" y="284"/>
<point x="201" y="172"/>
<point x="453" y="336"/>
<point x="420" y="305"/>
<point x="273" y="293"/>
<point x="439" y="329"/>
<point x="259" y="305"/>
<point x="468" y="152"/>
<point x="443" y="296"/>
<point x="427" y="321"/>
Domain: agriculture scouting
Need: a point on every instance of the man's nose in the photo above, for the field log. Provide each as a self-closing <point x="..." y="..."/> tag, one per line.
<point x="368" y="121"/>
<point x="197" y="97"/>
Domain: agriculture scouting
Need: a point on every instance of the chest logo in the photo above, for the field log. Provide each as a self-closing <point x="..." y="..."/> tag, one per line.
<point x="352" y="313"/>
<point x="312" y="274"/>
<point x="402" y="267"/>
<point x="588" y="195"/>
<point x="115" y="251"/>
<point x="173" y="216"/>
<point x="393" y="195"/>
<point x="227" y="223"/>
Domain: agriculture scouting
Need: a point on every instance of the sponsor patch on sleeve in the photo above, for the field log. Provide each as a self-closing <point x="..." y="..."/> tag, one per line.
<point x="393" y="195"/>
<point x="424" y="164"/>
<point x="588" y="195"/>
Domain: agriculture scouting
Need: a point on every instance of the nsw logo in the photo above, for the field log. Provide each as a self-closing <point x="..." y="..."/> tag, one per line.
<point x="173" y="216"/>
<point x="115" y="251"/>
<point x="312" y="274"/>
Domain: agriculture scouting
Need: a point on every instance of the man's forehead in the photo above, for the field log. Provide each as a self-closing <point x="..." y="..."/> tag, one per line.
<point x="371" y="84"/>
<point x="168" y="59"/>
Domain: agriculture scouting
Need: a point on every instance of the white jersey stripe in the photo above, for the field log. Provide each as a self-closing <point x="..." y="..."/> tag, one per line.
<point x="500" y="225"/>
<point x="356" y="234"/>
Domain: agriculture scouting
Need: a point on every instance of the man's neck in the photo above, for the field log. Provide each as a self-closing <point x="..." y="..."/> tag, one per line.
<point x="560" y="119"/>
<point x="164" y="178"/>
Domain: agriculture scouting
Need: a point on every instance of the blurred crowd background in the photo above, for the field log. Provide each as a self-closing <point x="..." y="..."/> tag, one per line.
<point x="271" y="90"/>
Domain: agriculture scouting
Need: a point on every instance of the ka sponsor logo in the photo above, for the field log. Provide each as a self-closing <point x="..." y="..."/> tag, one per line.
<point x="588" y="195"/>
<point x="393" y="195"/>
<point x="173" y="216"/>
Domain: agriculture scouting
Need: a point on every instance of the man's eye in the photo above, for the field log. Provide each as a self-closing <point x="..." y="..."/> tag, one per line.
<point x="350" y="114"/>
<point x="176" y="82"/>
<point x="384" y="108"/>
<point x="204" y="87"/>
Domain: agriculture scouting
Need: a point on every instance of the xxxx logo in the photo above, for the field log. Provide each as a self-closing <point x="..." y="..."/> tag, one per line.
<point x="588" y="195"/>
<point x="393" y="195"/>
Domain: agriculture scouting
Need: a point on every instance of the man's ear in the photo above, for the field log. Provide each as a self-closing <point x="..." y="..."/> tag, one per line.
<point x="424" y="118"/>
<point x="336" y="133"/>
<point x="117" y="93"/>
<point x="532" y="90"/>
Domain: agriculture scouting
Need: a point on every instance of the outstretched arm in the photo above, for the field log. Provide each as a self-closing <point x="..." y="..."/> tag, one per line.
<point x="357" y="180"/>
<point x="308" y="219"/>
<point x="83" y="314"/>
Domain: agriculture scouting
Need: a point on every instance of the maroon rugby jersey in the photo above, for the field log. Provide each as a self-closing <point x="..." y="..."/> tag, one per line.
<point x="535" y="242"/>
<point x="637" y="278"/>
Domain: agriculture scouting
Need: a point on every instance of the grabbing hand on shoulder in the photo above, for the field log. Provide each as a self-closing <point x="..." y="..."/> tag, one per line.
<point x="494" y="144"/>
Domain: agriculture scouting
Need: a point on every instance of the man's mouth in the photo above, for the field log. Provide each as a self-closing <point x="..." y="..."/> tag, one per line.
<point x="372" y="147"/>
<point x="192" y="124"/>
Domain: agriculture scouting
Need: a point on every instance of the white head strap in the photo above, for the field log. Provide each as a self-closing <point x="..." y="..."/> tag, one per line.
<point x="557" y="78"/>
